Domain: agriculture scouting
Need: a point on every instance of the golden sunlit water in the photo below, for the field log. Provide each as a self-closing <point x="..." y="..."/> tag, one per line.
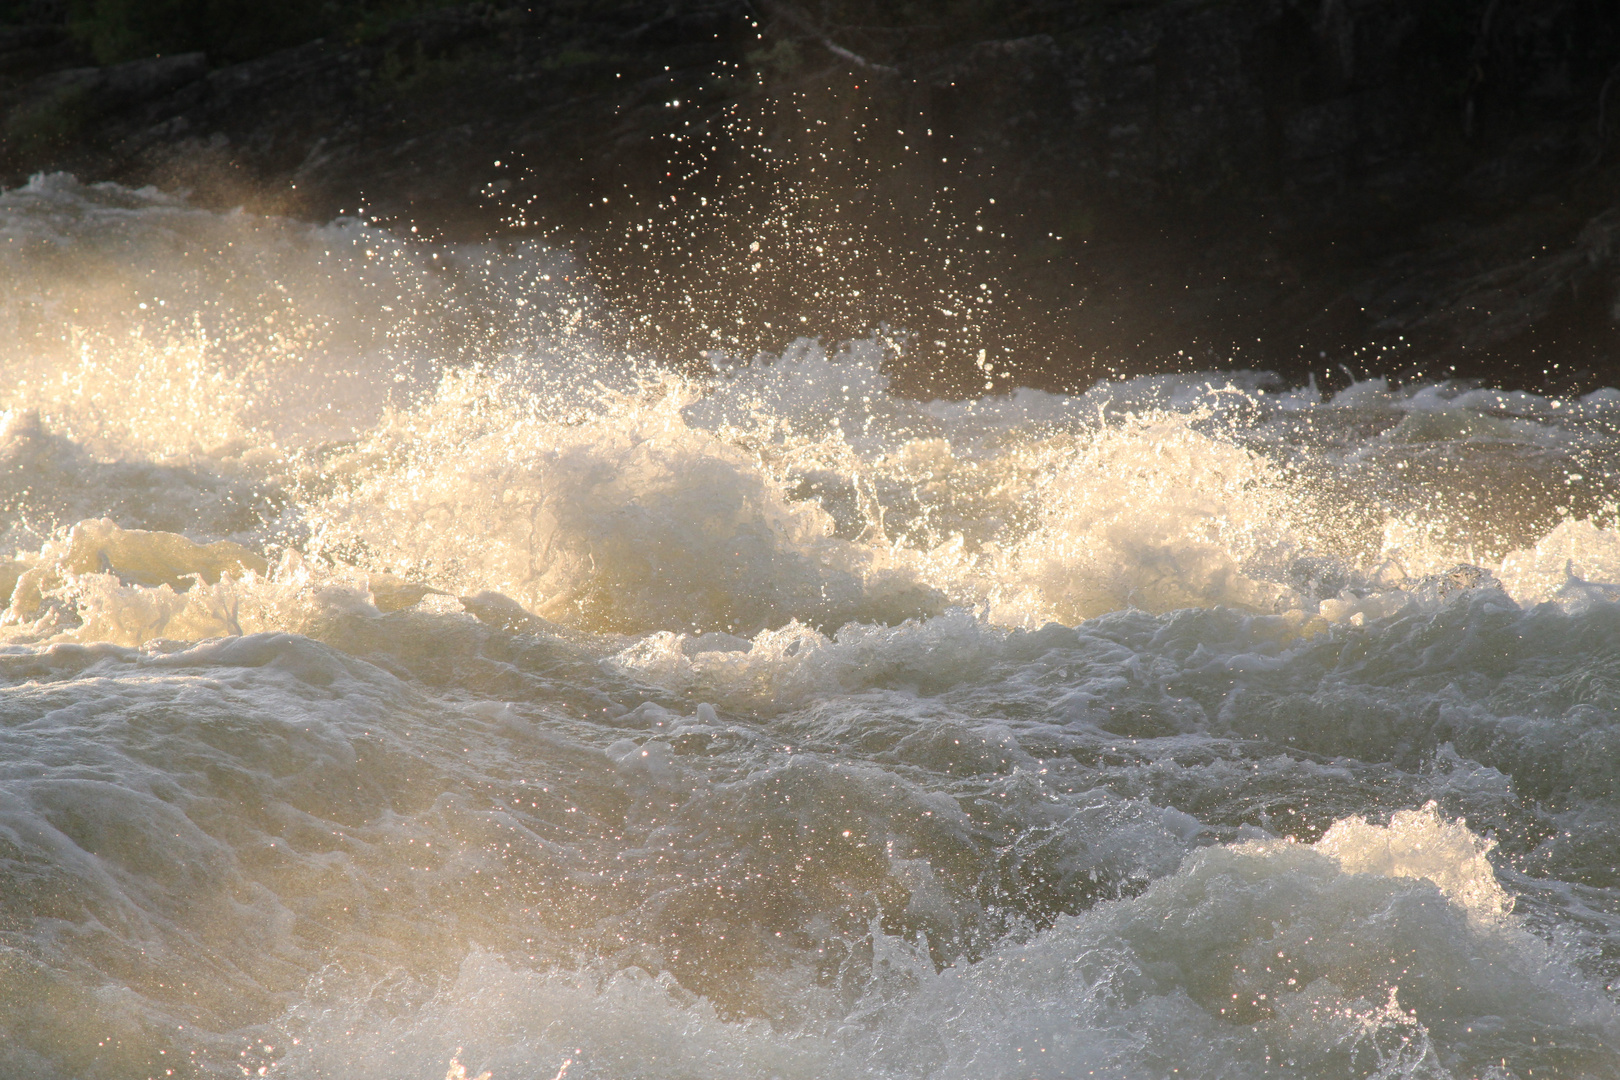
<point x="399" y="679"/>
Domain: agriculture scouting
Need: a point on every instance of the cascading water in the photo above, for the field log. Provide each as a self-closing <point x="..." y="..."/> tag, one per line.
<point x="395" y="685"/>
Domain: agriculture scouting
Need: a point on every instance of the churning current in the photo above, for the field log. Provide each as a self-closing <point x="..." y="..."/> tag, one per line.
<point x="393" y="687"/>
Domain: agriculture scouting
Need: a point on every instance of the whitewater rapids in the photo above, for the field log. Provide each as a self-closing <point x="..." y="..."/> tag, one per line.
<point x="395" y="685"/>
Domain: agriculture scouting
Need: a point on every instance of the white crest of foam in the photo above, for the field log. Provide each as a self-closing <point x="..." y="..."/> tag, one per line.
<point x="129" y="587"/>
<point x="1148" y="514"/>
<point x="445" y="415"/>
<point x="1422" y="844"/>
<point x="623" y="519"/>
<point x="783" y="668"/>
<point x="140" y="325"/>
<point x="1381" y="951"/>
<point x="1576" y="564"/>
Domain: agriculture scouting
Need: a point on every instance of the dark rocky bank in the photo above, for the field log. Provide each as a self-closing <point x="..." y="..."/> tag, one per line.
<point x="1411" y="188"/>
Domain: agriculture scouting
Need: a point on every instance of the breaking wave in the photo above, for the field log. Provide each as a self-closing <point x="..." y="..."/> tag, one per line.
<point x="393" y="682"/>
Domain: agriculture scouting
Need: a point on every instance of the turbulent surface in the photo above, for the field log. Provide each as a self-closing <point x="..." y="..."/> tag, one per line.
<point x="393" y="685"/>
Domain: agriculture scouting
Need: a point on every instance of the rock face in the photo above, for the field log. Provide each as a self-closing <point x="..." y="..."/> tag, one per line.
<point x="407" y="118"/>
<point x="1405" y="187"/>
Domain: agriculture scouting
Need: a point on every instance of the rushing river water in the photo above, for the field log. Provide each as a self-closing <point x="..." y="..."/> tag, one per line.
<point x="393" y="687"/>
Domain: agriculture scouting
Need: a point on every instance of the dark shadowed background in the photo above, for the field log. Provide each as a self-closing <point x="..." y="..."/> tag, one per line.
<point x="1051" y="191"/>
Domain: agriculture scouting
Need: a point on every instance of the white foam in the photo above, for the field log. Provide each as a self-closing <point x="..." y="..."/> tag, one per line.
<point x="606" y="497"/>
<point x="738" y="695"/>
<point x="1382" y="951"/>
<point x="783" y="668"/>
<point x="148" y="327"/>
<point x="1577" y="563"/>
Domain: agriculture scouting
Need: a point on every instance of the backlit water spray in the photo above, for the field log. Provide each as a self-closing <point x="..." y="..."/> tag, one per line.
<point x="399" y="683"/>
